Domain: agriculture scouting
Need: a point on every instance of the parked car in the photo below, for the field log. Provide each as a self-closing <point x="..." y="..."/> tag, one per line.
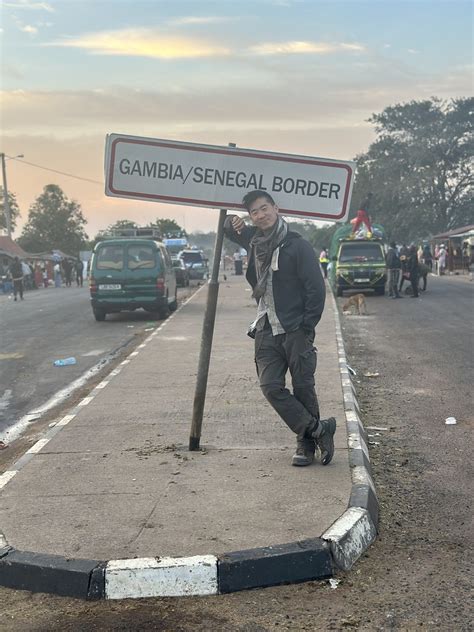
<point x="195" y="262"/>
<point x="132" y="273"/>
<point x="181" y="272"/>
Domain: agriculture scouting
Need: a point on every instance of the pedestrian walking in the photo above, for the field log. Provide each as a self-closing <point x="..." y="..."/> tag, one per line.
<point x="393" y="270"/>
<point x="67" y="267"/>
<point x="413" y="270"/>
<point x="442" y="259"/>
<point x="238" y="264"/>
<point x="16" y="273"/>
<point x="427" y="256"/>
<point x="423" y="276"/>
<point x="289" y="290"/>
<point x="79" y="267"/>
<point x="44" y="274"/>
<point x="57" y="275"/>
<point x="324" y="261"/>
<point x="404" y="274"/>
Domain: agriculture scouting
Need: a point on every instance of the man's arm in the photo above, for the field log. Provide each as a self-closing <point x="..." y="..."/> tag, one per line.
<point x="310" y="275"/>
<point x="242" y="235"/>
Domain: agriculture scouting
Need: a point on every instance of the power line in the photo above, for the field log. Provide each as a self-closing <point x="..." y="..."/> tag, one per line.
<point x="63" y="173"/>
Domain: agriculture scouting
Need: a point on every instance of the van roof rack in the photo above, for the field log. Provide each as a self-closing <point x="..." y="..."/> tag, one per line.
<point x="124" y="233"/>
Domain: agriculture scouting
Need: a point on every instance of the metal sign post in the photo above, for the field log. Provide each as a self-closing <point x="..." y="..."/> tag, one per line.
<point x="207" y="336"/>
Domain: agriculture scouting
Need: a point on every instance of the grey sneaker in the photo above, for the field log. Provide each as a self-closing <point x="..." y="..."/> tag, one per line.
<point x="324" y="437"/>
<point x="304" y="455"/>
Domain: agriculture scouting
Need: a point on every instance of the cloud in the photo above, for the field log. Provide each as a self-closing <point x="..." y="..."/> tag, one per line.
<point x="302" y="47"/>
<point x="13" y="71"/>
<point x="210" y="19"/>
<point x="28" y="4"/>
<point x="27" y="28"/>
<point x="413" y="51"/>
<point x="141" y="42"/>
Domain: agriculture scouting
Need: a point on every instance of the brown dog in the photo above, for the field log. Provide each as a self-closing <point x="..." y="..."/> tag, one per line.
<point x="355" y="304"/>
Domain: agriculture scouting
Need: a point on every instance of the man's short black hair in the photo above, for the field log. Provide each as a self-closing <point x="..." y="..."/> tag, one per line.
<point x="250" y="197"/>
<point x="393" y="244"/>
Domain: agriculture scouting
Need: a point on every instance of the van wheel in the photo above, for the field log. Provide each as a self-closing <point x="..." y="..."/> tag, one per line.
<point x="338" y="291"/>
<point x="380" y="291"/>
<point x="163" y="313"/>
<point x="99" y="314"/>
<point x="174" y="305"/>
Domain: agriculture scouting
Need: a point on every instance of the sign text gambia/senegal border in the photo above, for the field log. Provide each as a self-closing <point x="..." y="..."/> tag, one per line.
<point x="218" y="177"/>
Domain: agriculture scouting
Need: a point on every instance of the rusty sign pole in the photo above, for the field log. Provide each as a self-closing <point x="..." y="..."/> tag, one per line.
<point x="207" y="335"/>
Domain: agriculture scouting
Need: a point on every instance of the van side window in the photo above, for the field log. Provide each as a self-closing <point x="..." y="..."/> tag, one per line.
<point x="166" y="256"/>
<point x="140" y="256"/>
<point x="110" y="257"/>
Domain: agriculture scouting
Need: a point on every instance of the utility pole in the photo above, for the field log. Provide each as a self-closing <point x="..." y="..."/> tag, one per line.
<point x="6" y="204"/>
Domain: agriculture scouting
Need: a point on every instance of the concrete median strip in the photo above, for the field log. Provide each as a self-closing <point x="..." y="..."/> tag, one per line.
<point x="337" y="548"/>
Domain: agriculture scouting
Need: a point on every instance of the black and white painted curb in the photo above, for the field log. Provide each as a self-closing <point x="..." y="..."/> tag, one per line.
<point x="356" y="529"/>
<point x="339" y="547"/>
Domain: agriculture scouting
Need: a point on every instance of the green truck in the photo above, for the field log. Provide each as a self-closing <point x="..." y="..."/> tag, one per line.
<point x="358" y="264"/>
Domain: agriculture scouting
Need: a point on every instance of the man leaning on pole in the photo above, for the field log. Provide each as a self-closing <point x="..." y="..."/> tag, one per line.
<point x="289" y="290"/>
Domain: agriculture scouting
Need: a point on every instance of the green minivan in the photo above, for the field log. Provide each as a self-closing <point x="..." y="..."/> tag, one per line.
<point x="129" y="274"/>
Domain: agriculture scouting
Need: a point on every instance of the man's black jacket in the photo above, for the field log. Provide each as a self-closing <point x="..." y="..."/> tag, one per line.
<point x="393" y="260"/>
<point x="298" y="286"/>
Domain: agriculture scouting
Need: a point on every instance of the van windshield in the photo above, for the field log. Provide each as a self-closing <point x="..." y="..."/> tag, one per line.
<point x="110" y="257"/>
<point x="140" y="256"/>
<point x="192" y="257"/>
<point x="361" y="252"/>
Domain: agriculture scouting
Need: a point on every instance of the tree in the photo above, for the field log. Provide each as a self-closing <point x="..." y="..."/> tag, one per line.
<point x="420" y="168"/>
<point x="169" y="227"/>
<point x="54" y="222"/>
<point x="321" y="237"/>
<point x="14" y="210"/>
<point x="121" y="223"/>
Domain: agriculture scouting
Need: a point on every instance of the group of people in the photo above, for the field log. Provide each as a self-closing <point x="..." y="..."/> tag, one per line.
<point x="408" y="264"/>
<point x="67" y="269"/>
<point x="24" y="276"/>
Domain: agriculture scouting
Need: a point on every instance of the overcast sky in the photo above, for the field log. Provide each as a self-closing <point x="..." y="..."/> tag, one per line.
<point x="281" y="75"/>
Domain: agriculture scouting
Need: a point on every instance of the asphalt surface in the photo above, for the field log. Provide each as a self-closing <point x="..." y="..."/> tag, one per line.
<point x="49" y="325"/>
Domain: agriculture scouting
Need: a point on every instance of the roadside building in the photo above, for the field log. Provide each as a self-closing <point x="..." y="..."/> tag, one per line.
<point x="9" y="249"/>
<point x="459" y="244"/>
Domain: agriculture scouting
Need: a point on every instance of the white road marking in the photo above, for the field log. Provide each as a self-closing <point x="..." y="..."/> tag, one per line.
<point x="37" y="446"/>
<point x="6" y="477"/>
<point x="85" y="401"/>
<point x="5" y="400"/>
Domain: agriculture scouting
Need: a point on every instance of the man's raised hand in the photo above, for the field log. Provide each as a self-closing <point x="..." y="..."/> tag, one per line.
<point x="238" y="224"/>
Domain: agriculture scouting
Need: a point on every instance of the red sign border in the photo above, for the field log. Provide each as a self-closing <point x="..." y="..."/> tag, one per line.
<point x="232" y="152"/>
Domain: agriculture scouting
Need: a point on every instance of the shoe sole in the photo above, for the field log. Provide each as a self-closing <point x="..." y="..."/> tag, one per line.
<point x="301" y="463"/>
<point x="331" y="431"/>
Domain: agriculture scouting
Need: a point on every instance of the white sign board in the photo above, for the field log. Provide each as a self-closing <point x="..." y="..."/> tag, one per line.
<point x="218" y="177"/>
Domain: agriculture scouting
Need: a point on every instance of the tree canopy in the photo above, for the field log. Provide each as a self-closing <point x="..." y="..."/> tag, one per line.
<point x="14" y="210"/>
<point x="54" y="222"/>
<point x="420" y="168"/>
<point x="168" y="227"/>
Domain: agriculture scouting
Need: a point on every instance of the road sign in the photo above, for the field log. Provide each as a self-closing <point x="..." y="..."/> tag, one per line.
<point x="218" y="177"/>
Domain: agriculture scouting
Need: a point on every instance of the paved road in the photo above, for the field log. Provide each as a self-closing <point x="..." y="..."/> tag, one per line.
<point x="48" y="325"/>
<point x="417" y="574"/>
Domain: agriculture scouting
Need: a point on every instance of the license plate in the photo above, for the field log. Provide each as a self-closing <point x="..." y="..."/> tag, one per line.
<point x="110" y="286"/>
<point x="361" y="280"/>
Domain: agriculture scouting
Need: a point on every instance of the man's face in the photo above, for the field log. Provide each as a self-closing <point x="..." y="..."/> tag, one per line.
<point x="263" y="213"/>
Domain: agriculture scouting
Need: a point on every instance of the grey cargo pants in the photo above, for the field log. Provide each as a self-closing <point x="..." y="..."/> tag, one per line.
<point x="274" y="355"/>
